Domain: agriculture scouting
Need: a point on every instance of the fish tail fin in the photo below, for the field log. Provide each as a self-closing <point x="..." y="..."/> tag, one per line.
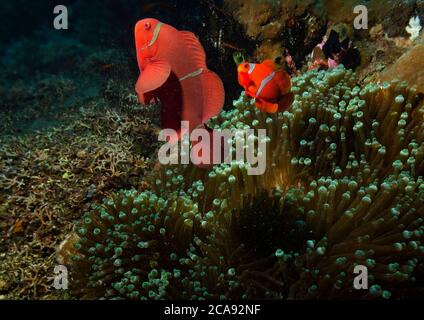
<point x="285" y="102"/>
<point x="283" y="81"/>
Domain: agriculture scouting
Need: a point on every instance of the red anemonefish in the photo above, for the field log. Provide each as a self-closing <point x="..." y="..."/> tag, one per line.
<point x="268" y="86"/>
<point x="173" y="68"/>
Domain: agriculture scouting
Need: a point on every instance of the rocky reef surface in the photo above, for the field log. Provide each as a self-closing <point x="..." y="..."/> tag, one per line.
<point x="292" y="29"/>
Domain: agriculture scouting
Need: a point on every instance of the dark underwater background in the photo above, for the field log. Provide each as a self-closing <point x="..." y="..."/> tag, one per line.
<point x="100" y="34"/>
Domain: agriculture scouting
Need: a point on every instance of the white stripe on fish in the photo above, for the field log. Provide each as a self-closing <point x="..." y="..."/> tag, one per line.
<point x="265" y="82"/>
<point x="155" y="34"/>
<point x="251" y="67"/>
<point x="192" y="74"/>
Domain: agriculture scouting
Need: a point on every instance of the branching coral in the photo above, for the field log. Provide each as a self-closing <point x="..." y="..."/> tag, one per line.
<point x="343" y="186"/>
<point x="414" y="27"/>
<point x="49" y="178"/>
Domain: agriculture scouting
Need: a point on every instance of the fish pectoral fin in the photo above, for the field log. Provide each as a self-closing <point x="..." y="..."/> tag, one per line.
<point x="153" y="76"/>
<point x="266" y="106"/>
<point x="197" y="53"/>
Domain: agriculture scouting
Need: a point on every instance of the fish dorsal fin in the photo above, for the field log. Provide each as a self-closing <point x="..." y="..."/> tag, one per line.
<point x="197" y="53"/>
<point x="153" y="76"/>
<point x="270" y="64"/>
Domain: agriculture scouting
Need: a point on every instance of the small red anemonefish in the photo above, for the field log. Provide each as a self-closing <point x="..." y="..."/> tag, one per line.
<point x="266" y="84"/>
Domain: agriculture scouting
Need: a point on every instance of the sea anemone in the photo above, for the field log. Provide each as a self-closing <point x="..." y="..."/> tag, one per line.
<point x="343" y="187"/>
<point x="132" y="245"/>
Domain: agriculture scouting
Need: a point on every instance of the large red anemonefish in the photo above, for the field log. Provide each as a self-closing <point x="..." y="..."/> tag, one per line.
<point x="173" y="68"/>
<point x="268" y="86"/>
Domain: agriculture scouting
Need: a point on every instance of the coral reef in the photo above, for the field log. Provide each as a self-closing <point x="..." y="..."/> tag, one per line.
<point x="266" y="20"/>
<point x="49" y="178"/>
<point x="414" y="27"/>
<point x="292" y="29"/>
<point x="343" y="186"/>
<point x="344" y="179"/>
<point x="279" y="25"/>
<point x="334" y="51"/>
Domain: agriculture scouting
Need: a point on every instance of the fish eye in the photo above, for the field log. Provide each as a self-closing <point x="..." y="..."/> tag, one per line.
<point x="147" y="26"/>
<point x="246" y="66"/>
